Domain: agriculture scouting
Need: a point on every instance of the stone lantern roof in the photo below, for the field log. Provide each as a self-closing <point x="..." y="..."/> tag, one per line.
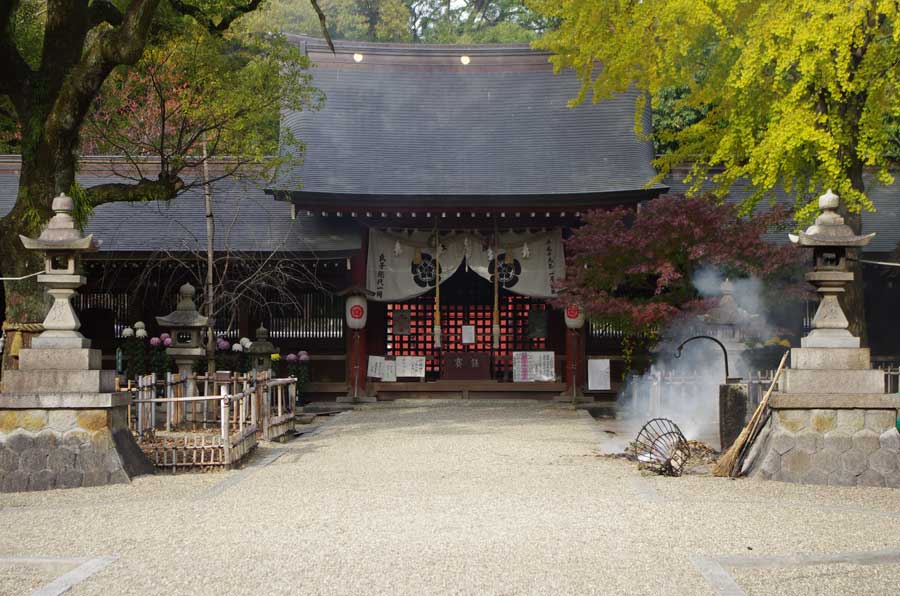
<point x="829" y="228"/>
<point x="185" y="315"/>
<point x="61" y="233"/>
<point x="262" y="345"/>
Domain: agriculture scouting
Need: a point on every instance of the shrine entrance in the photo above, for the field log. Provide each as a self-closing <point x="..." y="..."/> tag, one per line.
<point x="466" y="351"/>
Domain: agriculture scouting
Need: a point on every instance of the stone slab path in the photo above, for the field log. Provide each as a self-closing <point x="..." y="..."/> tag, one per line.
<point x="450" y="498"/>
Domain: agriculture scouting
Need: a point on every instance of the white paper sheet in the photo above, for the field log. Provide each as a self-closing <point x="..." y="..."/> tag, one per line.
<point x="389" y="371"/>
<point x="376" y="366"/>
<point x="598" y="374"/>
<point x="411" y="366"/>
<point x="534" y="366"/>
<point x="468" y="334"/>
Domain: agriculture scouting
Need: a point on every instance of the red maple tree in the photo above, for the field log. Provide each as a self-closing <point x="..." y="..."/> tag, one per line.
<point x="635" y="267"/>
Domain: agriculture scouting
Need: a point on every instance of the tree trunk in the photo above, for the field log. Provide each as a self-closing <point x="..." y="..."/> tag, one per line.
<point x="44" y="173"/>
<point x="853" y="299"/>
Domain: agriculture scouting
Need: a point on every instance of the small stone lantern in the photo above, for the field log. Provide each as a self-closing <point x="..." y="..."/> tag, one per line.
<point x="830" y="238"/>
<point x="62" y="244"/>
<point x="261" y="351"/>
<point x="185" y="325"/>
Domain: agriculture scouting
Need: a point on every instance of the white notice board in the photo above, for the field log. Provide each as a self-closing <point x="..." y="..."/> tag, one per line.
<point x="534" y="366"/>
<point x="410" y="366"/>
<point x="598" y="374"/>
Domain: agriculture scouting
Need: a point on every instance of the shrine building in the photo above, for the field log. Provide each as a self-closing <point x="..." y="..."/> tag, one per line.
<point x="454" y="163"/>
<point x="427" y="218"/>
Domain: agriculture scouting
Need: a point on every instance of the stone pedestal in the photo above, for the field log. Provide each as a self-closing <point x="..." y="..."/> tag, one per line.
<point x="832" y="423"/>
<point x="62" y="426"/>
<point x="66" y="440"/>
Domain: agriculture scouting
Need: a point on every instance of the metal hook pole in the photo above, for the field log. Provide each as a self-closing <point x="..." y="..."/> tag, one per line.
<point x="721" y="345"/>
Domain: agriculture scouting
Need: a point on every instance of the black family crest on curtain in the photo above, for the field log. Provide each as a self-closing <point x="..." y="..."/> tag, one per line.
<point x="508" y="271"/>
<point x="425" y="272"/>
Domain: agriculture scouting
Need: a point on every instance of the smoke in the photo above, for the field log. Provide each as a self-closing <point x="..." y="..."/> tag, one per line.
<point x="685" y="389"/>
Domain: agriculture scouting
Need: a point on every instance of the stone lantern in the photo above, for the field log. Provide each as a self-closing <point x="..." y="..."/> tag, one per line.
<point x="261" y="351"/>
<point x="185" y="325"/>
<point x="60" y="390"/>
<point x="830" y="238"/>
<point x="832" y="422"/>
<point x="62" y="245"/>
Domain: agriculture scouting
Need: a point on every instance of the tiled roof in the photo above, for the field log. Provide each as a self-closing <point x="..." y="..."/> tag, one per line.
<point x="412" y="120"/>
<point x="246" y="219"/>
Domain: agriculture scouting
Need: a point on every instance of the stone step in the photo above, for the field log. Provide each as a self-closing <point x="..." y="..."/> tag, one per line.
<point x="831" y="358"/>
<point x="55" y="359"/>
<point x="832" y="381"/>
<point x="59" y="381"/>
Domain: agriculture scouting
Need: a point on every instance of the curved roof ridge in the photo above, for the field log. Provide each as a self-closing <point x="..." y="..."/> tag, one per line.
<point x="341" y="46"/>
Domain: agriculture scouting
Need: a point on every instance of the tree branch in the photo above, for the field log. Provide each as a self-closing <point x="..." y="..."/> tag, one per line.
<point x="161" y="189"/>
<point x="104" y="11"/>
<point x="12" y="64"/>
<point x="114" y="46"/>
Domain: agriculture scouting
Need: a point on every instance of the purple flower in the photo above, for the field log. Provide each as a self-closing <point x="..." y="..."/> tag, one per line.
<point x="155" y="341"/>
<point x="167" y="341"/>
<point x="164" y="336"/>
<point x="223" y="344"/>
<point x="291" y="358"/>
<point x="303" y="357"/>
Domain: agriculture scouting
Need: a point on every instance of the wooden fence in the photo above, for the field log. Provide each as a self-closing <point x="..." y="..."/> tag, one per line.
<point x="178" y="430"/>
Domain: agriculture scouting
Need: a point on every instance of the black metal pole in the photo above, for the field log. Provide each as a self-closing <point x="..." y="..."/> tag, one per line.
<point x="721" y="345"/>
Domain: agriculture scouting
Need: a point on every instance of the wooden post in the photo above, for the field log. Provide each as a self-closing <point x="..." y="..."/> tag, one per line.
<point x="226" y="440"/>
<point x="357" y="342"/>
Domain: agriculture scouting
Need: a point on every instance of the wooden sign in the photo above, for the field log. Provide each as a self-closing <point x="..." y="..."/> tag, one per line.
<point x="401" y="322"/>
<point x="466" y="366"/>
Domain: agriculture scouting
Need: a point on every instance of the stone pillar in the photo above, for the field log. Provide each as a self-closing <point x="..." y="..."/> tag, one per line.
<point x="733" y="412"/>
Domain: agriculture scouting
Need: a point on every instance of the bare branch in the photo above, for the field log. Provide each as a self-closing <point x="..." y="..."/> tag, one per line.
<point x="323" y="24"/>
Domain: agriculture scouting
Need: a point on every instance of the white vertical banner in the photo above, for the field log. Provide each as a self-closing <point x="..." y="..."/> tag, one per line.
<point x="528" y="264"/>
<point x="404" y="265"/>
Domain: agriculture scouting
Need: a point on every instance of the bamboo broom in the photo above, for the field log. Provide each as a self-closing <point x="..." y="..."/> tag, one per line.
<point x="727" y="464"/>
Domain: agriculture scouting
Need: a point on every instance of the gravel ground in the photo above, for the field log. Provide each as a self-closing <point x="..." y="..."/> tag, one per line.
<point x="452" y="498"/>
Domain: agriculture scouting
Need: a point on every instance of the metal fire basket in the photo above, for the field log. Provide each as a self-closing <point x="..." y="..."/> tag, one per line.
<point x="661" y="446"/>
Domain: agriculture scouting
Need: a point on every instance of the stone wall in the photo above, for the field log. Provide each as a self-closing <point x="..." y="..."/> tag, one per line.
<point x="42" y="449"/>
<point x="847" y="447"/>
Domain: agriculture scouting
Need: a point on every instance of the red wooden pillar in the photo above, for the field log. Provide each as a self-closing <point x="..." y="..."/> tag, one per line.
<point x="356" y="340"/>
<point x="575" y="363"/>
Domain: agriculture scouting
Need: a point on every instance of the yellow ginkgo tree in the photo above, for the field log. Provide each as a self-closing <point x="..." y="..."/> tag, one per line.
<point x="796" y="94"/>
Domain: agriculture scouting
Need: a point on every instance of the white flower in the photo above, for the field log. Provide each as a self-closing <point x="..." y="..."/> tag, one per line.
<point x="128" y="332"/>
<point x="141" y="333"/>
<point x="245" y="342"/>
<point x="237" y="348"/>
<point x="139" y="325"/>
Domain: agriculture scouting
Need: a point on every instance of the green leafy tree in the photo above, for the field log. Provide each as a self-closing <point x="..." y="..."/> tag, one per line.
<point x="58" y="58"/>
<point x="428" y="21"/>
<point x="799" y="95"/>
<point x="369" y="20"/>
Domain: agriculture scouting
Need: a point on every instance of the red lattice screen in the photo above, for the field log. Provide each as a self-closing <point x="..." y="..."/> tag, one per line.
<point x="514" y="311"/>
